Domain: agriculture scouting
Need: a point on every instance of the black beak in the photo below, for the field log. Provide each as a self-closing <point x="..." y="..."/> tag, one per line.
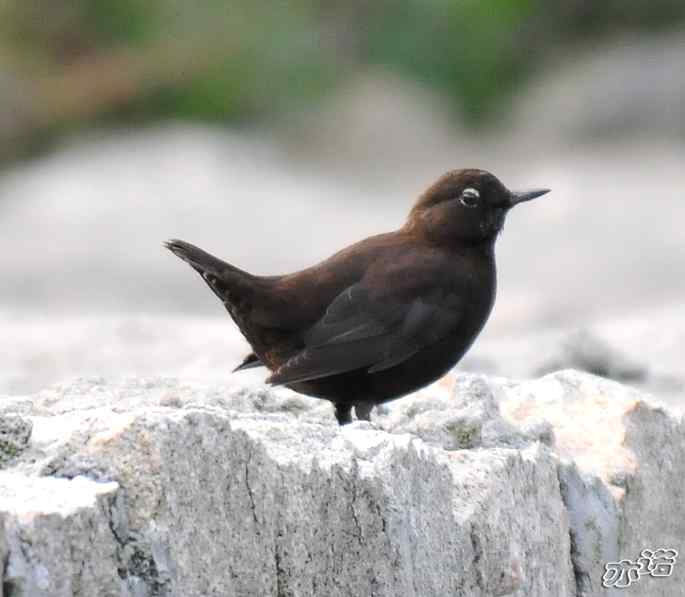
<point x="520" y="197"/>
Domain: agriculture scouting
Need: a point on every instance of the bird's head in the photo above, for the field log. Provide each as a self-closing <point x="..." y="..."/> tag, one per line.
<point x="465" y="206"/>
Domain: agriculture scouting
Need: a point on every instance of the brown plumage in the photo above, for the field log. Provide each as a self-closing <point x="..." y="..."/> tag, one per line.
<point x="383" y="317"/>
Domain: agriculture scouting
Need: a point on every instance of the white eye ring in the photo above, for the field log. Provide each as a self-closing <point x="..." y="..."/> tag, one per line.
<point x="469" y="197"/>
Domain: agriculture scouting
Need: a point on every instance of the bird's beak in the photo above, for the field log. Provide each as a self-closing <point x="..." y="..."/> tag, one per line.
<point x="521" y="196"/>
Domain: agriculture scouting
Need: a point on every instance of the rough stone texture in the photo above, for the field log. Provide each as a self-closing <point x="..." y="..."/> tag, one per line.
<point x="57" y="536"/>
<point x="489" y="487"/>
<point x="15" y="433"/>
<point x="622" y="471"/>
<point x="642" y="349"/>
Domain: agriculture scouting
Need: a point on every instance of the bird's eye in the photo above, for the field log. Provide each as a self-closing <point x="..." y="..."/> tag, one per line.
<point x="469" y="197"/>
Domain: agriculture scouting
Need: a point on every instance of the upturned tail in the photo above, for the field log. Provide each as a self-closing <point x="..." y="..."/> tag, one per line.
<point x="197" y="258"/>
<point x="224" y="279"/>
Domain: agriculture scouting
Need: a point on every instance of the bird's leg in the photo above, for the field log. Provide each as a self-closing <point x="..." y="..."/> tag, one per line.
<point x="343" y="413"/>
<point x="363" y="410"/>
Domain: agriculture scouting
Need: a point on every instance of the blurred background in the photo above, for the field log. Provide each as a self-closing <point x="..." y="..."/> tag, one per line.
<point x="274" y="133"/>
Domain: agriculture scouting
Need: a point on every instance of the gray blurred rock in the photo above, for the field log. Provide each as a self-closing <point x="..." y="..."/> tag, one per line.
<point x="643" y="349"/>
<point x="585" y="351"/>
<point x="152" y="487"/>
<point x="623" y="88"/>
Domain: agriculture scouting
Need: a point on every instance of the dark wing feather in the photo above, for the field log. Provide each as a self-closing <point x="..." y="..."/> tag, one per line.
<point x="351" y="316"/>
<point x="359" y="331"/>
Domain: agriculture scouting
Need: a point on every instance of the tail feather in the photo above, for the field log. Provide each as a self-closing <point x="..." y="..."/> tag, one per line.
<point x="235" y="288"/>
<point x="223" y="278"/>
<point x="197" y="258"/>
<point x="249" y="362"/>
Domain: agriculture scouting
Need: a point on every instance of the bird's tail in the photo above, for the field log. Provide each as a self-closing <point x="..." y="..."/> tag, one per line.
<point x="223" y="278"/>
<point x="197" y="258"/>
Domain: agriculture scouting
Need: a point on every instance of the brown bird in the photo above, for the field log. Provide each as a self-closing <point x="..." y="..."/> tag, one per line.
<point x="383" y="317"/>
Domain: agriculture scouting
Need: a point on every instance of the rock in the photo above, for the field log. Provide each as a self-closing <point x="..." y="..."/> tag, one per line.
<point x="15" y="433"/>
<point x="57" y="536"/>
<point x="493" y="487"/>
<point x="586" y="351"/>
<point x="623" y="88"/>
<point x="642" y="349"/>
<point x="622" y="464"/>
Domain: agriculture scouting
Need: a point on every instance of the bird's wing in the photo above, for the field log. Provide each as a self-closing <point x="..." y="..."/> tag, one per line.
<point x="369" y="330"/>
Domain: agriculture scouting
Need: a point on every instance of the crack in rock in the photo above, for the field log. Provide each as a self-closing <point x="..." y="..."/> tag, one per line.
<point x="250" y="493"/>
<point x="222" y="502"/>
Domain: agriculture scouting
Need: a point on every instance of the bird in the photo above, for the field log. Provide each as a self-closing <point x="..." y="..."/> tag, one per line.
<point x="382" y="317"/>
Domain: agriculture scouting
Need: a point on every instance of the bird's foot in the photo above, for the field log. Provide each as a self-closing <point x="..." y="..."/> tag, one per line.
<point x="363" y="411"/>
<point x="343" y="414"/>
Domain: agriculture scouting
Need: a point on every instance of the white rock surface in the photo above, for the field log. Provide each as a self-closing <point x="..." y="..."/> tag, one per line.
<point x="621" y="474"/>
<point x="492" y="487"/>
<point x="57" y="536"/>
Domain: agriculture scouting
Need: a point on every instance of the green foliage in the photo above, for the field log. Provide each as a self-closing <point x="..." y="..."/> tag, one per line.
<point x="252" y="59"/>
<point x="123" y="21"/>
<point x="467" y="49"/>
